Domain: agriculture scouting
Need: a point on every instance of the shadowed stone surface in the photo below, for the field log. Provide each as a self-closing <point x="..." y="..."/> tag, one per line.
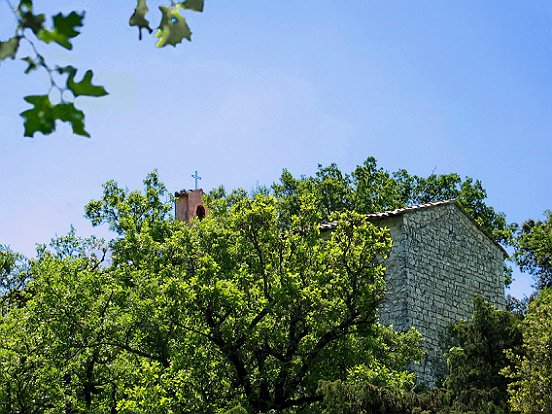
<point x="439" y="261"/>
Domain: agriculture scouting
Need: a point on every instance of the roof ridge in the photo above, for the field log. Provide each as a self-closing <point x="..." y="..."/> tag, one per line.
<point x="414" y="207"/>
<point x="396" y="212"/>
<point x="399" y="211"/>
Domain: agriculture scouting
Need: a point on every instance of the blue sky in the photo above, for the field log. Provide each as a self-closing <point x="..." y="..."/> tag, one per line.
<point x="429" y="86"/>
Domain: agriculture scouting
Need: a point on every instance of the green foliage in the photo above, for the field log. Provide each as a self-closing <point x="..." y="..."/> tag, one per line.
<point x="534" y="250"/>
<point x="234" y="310"/>
<point x="194" y="5"/>
<point x="477" y="357"/>
<point x="27" y="19"/>
<point x="236" y="410"/>
<point x="46" y="346"/>
<point x="366" y="398"/>
<point x="31" y="28"/>
<point x="251" y="308"/>
<point x="64" y="29"/>
<point x="475" y="383"/>
<point x="532" y="371"/>
<point x="370" y="188"/>
<point x="388" y="369"/>
<point x="363" y="398"/>
<point x="84" y="87"/>
<point x="173" y="27"/>
<point x="43" y="116"/>
<point x="139" y="19"/>
<point x="14" y="276"/>
<point x="127" y="213"/>
<point x="9" y="49"/>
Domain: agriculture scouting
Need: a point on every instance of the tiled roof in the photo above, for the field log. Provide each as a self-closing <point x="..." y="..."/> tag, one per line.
<point x="399" y="211"/>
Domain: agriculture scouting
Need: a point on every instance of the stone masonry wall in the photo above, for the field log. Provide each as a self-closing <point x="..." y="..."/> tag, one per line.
<point x="394" y="309"/>
<point x="439" y="261"/>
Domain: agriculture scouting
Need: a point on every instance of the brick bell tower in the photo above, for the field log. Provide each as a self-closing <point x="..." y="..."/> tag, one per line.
<point x="189" y="205"/>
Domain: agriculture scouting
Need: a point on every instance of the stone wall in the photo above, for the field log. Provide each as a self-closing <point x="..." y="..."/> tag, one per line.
<point x="439" y="261"/>
<point x="395" y="310"/>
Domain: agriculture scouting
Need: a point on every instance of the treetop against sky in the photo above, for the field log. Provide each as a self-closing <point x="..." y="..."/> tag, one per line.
<point x="450" y="87"/>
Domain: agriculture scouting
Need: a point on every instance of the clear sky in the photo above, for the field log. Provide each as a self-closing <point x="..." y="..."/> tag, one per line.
<point x="429" y="86"/>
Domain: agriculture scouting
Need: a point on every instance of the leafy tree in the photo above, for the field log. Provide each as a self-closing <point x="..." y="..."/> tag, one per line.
<point x="517" y="306"/>
<point x="534" y="250"/>
<point x="366" y="398"/>
<point x="31" y="27"/>
<point x="236" y="410"/>
<point x="248" y="309"/>
<point x="469" y="192"/>
<point x="50" y="351"/>
<point x="234" y="310"/>
<point x="370" y="188"/>
<point x="477" y="357"/>
<point x="532" y="371"/>
<point x="475" y="384"/>
<point x="14" y="276"/>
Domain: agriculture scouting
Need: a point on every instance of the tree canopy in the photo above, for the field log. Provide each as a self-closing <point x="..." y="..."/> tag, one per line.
<point x="370" y="188"/>
<point x="476" y="358"/>
<point x="534" y="250"/>
<point x="236" y="309"/>
<point x="531" y="374"/>
<point x="251" y="309"/>
<point x="480" y="351"/>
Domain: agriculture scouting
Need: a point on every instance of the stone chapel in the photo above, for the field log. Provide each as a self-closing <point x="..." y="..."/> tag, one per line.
<point x="440" y="259"/>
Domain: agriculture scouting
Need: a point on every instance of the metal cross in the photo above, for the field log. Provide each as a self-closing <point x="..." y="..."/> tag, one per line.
<point x="196" y="177"/>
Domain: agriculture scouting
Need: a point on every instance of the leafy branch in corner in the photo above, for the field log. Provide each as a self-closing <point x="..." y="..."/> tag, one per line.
<point x="31" y="28"/>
